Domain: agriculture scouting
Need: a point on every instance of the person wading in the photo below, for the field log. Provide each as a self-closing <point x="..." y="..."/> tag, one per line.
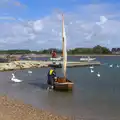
<point x="51" y="77"/>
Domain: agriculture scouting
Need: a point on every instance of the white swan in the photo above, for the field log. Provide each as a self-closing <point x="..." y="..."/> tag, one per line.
<point x="92" y="71"/>
<point x="117" y="66"/>
<point x="91" y="67"/>
<point x="15" y="79"/>
<point x="98" y="74"/>
<point x="111" y="66"/>
<point x="30" y="72"/>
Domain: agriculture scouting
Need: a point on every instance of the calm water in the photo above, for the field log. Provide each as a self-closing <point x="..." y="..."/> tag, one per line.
<point x="93" y="98"/>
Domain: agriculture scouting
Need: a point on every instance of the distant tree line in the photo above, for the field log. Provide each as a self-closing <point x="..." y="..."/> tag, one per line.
<point x="95" y="50"/>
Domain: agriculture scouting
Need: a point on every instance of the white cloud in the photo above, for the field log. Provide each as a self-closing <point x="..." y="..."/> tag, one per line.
<point x="87" y="26"/>
<point x="37" y="25"/>
<point x="11" y="2"/>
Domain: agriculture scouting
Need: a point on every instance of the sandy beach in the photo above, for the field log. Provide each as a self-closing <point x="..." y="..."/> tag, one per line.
<point x="17" y="65"/>
<point x="11" y="109"/>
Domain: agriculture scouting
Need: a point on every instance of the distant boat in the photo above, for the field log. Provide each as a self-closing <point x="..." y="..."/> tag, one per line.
<point x="25" y="57"/>
<point x="56" y="59"/>
<point x="87" y="58"/>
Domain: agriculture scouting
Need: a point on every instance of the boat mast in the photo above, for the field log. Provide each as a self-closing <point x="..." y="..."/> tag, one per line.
<point x="64" y="47"/>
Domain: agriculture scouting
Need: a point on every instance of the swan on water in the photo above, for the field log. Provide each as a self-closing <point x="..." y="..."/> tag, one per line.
<point x="92" y="71"/>
<point x="91" y="67"/>
<point x="29" y="71"/>
<point x="117" y="65"/>
<point x="111" y="66"/>
<point x="98" y="74"/>
<point x="15" y="79"/>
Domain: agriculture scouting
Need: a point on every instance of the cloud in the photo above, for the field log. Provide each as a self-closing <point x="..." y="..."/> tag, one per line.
<point x="12" y="7"/>
<point x="86" y="26"/>
<point x="11" y="2"/>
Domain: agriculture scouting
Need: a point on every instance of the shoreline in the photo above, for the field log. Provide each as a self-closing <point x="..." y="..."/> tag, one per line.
<point x="27" y="64"/>
<point x="13" y="109"/>
<point x="49" y="55"/>
<point x="45" y="55"/>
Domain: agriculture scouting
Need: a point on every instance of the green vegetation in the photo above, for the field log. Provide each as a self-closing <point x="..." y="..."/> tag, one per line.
<point x="95" y="50"/>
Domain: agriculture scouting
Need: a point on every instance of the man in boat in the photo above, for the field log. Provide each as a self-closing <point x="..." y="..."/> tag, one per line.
<point x="51" y="77"/>
<point x="54" y="55"/>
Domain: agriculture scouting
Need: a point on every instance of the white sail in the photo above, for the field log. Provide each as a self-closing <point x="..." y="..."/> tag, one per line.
<point x="64" y="47"/>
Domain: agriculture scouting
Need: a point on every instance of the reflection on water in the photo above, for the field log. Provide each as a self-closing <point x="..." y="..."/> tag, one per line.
<point x="92" y="97"/>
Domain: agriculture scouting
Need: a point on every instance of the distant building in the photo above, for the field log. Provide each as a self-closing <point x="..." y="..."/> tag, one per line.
<point x="115" y="50"/>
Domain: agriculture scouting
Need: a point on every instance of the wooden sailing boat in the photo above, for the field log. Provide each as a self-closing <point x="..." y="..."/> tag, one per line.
<point x="63" y="83"/>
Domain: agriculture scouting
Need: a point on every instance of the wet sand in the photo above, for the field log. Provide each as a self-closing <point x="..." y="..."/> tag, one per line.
<point x="11" y="109"/>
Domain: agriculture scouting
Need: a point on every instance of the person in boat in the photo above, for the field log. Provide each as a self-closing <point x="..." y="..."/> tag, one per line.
<point x="51" y="77"/>
<point x="54" y="54"/>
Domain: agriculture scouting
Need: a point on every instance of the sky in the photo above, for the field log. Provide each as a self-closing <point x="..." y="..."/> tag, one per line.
<point x="36" y="24"/>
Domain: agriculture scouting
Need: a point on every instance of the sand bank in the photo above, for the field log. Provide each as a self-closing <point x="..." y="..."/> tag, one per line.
<point x="11" y="109"/>
<point x="19" y="65"/>
<point x="22" y="65"/>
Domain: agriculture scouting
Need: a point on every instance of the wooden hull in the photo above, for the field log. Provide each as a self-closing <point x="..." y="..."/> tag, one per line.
<point x="63" y="85"/>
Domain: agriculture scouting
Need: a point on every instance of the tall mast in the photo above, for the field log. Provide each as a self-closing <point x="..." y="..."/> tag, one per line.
<point x="64" y="47"/>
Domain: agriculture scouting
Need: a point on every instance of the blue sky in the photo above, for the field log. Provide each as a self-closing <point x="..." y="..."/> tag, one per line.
<point x="40" y="8"/>
<point x="36" y="24"/>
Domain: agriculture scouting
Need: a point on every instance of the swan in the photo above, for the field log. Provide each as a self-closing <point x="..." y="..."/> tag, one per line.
<point x="98" y="74"/>
<point x="91" y="67"/>
<point x="111" y="66"/>
<point x="15" y="79"/>
<point x="30" y="72"/>
<point x="117" y="65"/>
<point x="92" y="71"/>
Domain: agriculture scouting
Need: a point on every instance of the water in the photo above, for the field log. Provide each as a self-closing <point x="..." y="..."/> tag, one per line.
<point x="92" y="97"/>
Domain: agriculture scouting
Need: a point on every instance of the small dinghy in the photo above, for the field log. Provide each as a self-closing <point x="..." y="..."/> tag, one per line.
<point x="63" y="84"/>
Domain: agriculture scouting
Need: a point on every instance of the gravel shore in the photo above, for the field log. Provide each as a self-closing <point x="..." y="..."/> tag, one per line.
<point x="17" y="65"/>
<point x="11" y="109"/>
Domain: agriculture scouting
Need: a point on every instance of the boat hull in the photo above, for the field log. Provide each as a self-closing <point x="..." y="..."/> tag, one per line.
<point x="63" y="85"/>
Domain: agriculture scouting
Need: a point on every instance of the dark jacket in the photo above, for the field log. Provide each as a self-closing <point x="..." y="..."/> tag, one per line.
<point x="51" y="76"/>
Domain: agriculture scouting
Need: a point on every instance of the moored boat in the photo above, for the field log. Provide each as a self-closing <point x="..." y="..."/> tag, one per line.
<point x="87" y="58"/>
<point x="56" y="59"/>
